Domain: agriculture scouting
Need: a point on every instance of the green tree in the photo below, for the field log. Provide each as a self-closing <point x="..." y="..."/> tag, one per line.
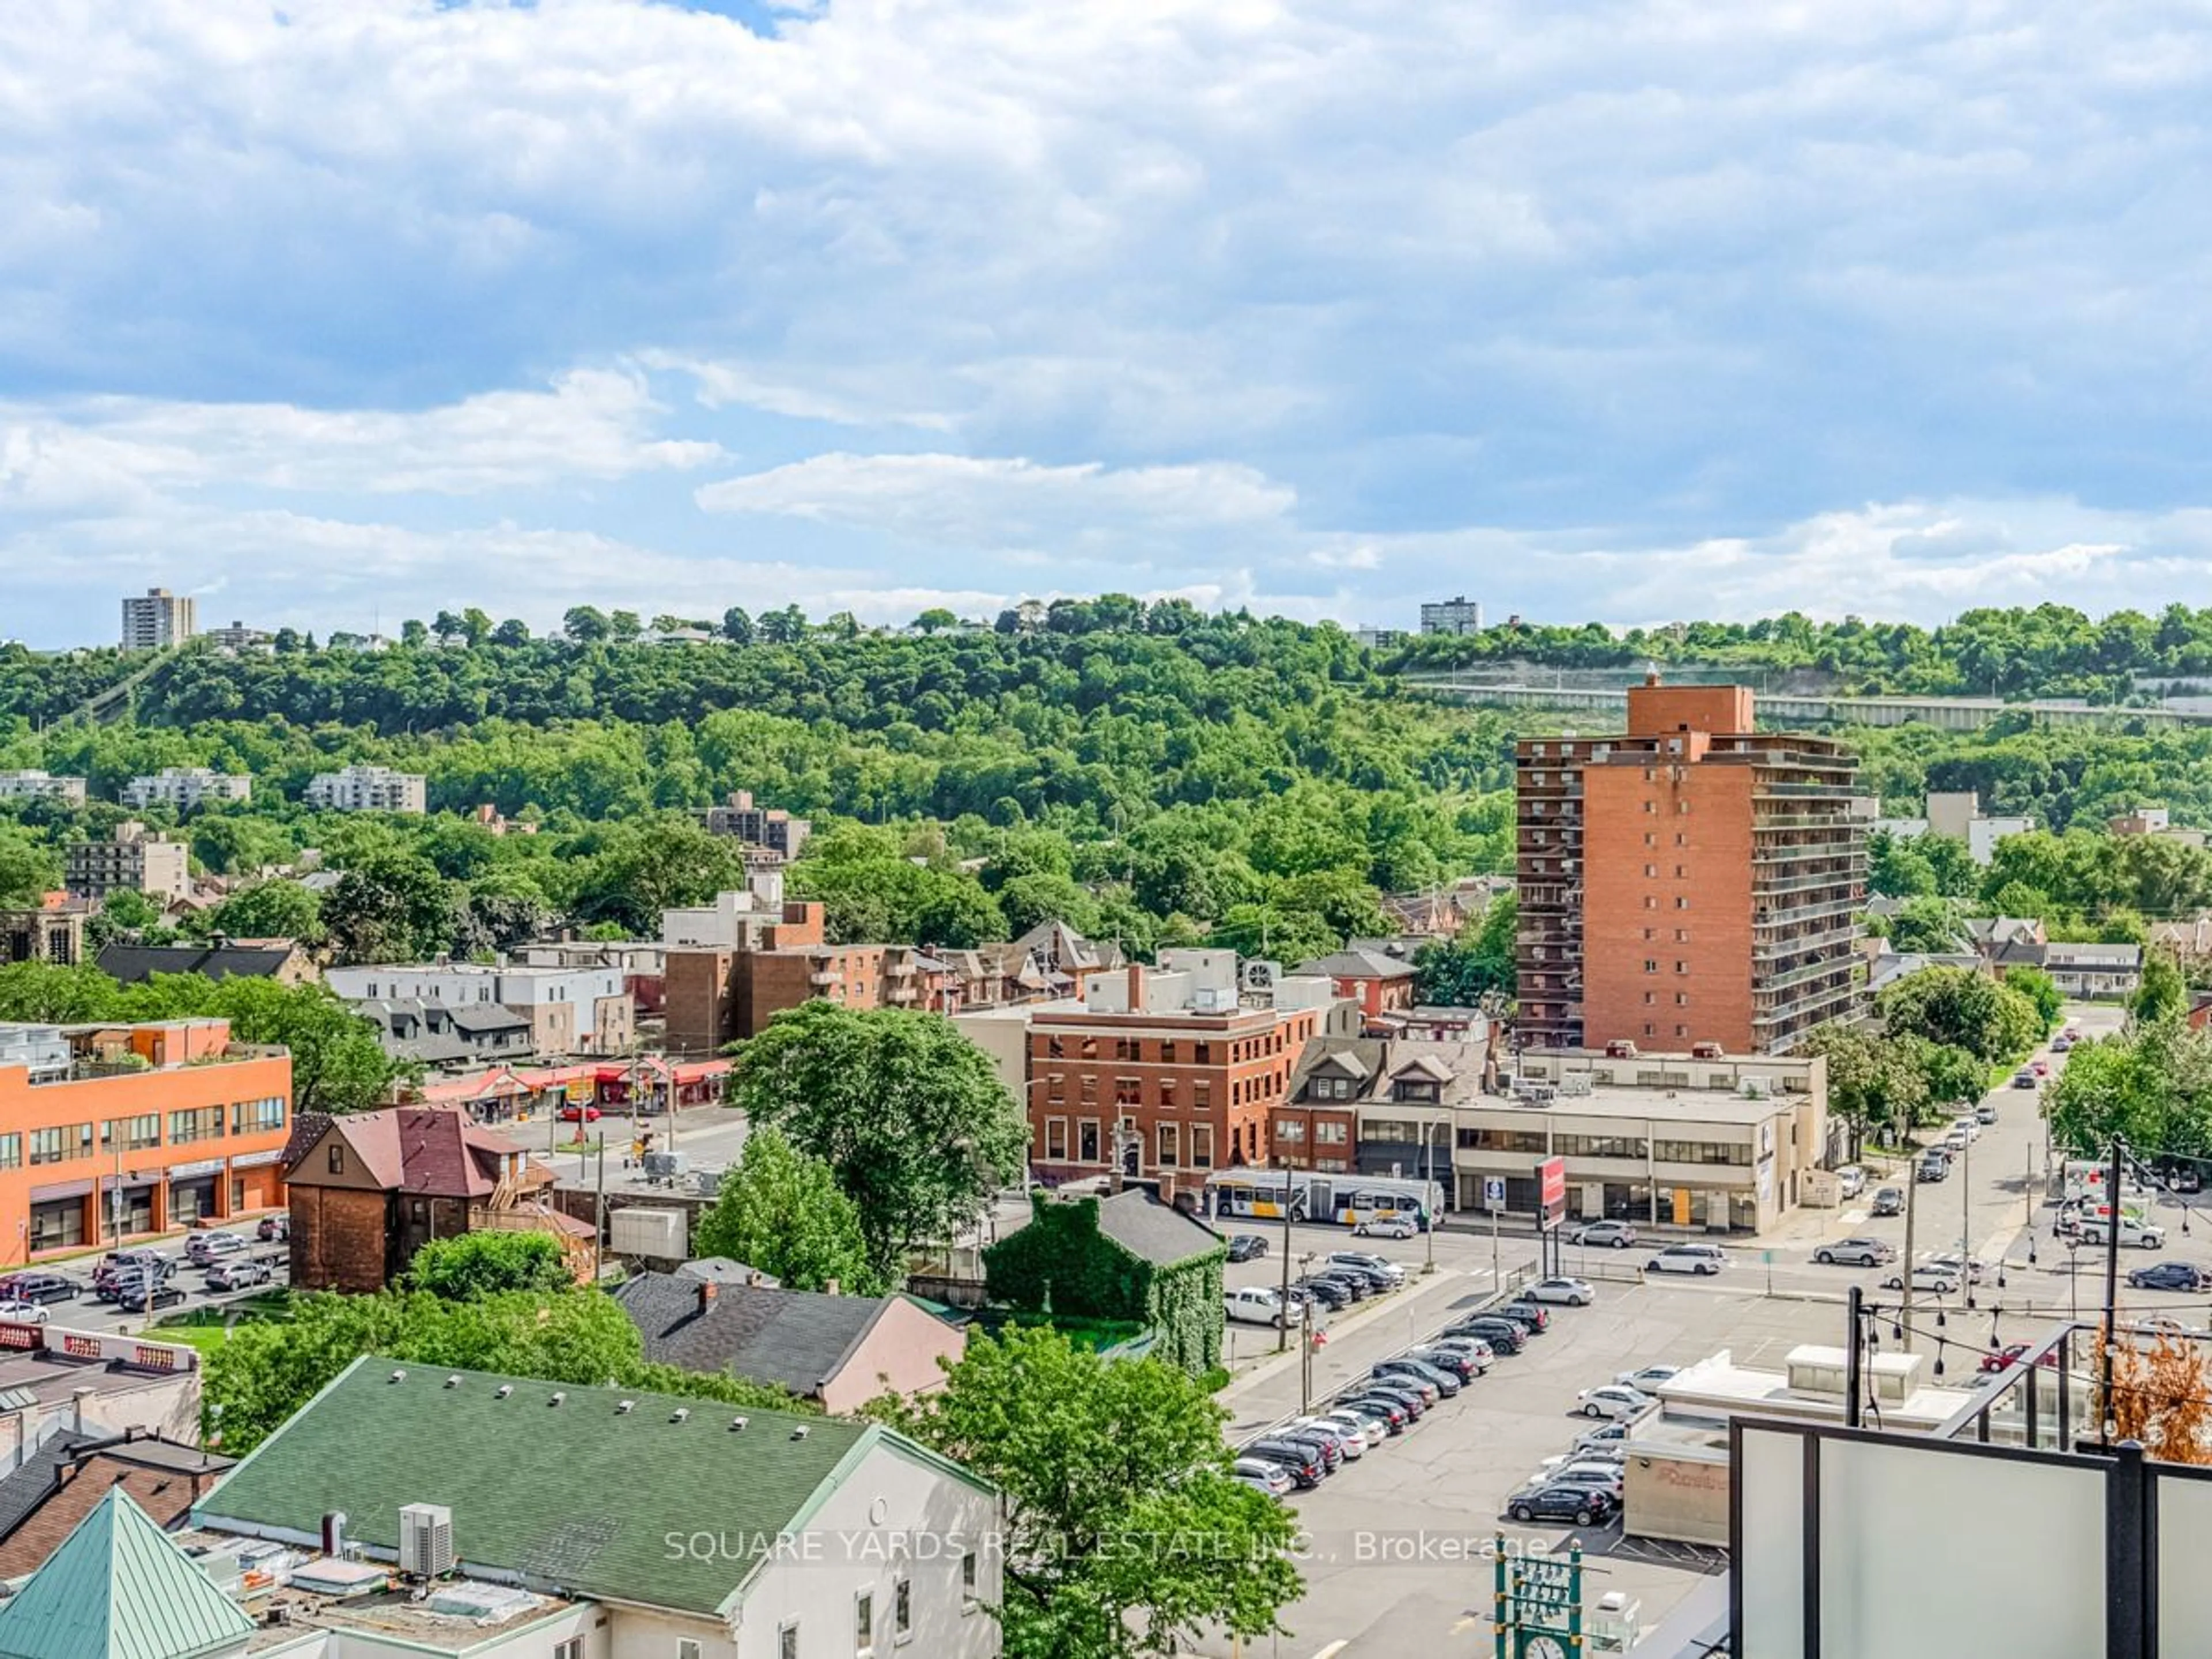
<point x="28" y="871"/>
<point x="1875" y="1086"/>
<point x="624" y="627"/>
<point x="127" y="911"/>
<point x="1927" y="924"/>
<point x="1963" y="1008"/>
<point x="585" y="624"/>
<point x="737" y="625"/>
<point x="936" y="620"/>
<point x="271" y="910"/>
<point x="511" y="634"/>
<point x="1106" y="1466"/>
<point x="2040" y="989"/>
<point x="2162" y="993"/>
<point x="393" y="907"/>
<point x="910" y="1115"/>
<point x="643" y="869"/>
<point x="1480" y="960"/>
<point x="782" y="1212"/>
<point x="490" y="1263"/>
<point x="54" y="993"/>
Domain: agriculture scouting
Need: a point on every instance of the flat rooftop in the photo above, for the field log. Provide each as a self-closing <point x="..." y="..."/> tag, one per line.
<point x="1611" y="1101"/>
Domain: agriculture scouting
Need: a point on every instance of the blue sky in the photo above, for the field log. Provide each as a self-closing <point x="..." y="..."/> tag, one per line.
<point x="357" y="309"/>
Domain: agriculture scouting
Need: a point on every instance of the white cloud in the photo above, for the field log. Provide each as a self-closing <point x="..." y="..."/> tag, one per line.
<point x="592" y="424"/>
<point x="994" y="503"/>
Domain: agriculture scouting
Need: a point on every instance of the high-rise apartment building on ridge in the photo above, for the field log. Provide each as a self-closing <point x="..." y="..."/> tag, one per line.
<point x="158" y="620"/>
<point x="1459" y="615"/>
<point x="1689" y="881"/>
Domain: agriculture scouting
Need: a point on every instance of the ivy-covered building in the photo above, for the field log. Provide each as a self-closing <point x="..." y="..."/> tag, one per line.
<point x="1127" y="1257"/>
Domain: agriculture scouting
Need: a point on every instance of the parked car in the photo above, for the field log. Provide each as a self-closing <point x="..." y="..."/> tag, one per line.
<point x="1447" y="1383"/>
<point x="237" y="1275"/>
<point x="1503" y="1334"/>
<point x="1386" y="1227"/>
<point x="1855" y="1253"/>
<point x="1372" y="1427"/>
<point x="1599" y="1472"/>
<point x="2168" y="1276"/>
<point x="2141" y="1235"/>
<point x="1986" y="1112"/>
<point x="1970" y="1268"/>
<point x="2041" y="1067"/>
<point x="1610" y="1434"/>
<point x="39" y="1287"/>
<point x="1571" y="1293"/>
<point x="1330" y="1292"/>
<point x="1390" y="1272"/>
<point x="1967" y="1126"/>
<point x="2061" y="1043"/>
<point x="1687" y="1258"/>
<point x="1261" y="1475"/>
<point x="1925" y="1277"/>
<point x="1889" y="1200"/>
<point x="1302" y="1463"/>
<point x="274" y="1228"/>
<point x="1613" y="1234"/>
<point x="13" y="1312"/>
<point x="1331" y="1453"/>
<point x="1850" y="1180"/>
<point x="144" y="1298"/>
<point x="205" y="1250"/>
<point x="1357" y="1286"/>
<point x="1406" y="1396"/>
<point x="1583" y="1505"/>
<point x="1956" y="1140"/>
<point x="1256" y="1305"/>
<point x="2023" y="1078"/>
<point x="1394" y="1412"/>
<point x="1526" y="1315"/>
<point x="1247" y="1246"/>
<point x="1474" y="1347"/>
<point x="2185" y="1178"/>
<point x="1351" y="1443"/>
<point x="1647" y="1377"/>
<point x="1935" y="1164"/>
<point x="580" y="1114"/>
<point x="1459" y="1364"/>
<point x="1610" y="1400"/>
<point x="2010" y="1356"/>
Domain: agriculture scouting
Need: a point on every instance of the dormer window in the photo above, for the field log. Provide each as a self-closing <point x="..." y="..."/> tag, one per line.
<point x="1415" y="1089"/>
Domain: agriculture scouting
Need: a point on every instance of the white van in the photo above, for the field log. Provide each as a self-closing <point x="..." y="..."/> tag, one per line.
<point x="1253" y="1306"/>
<point x="1687" y="1258"/>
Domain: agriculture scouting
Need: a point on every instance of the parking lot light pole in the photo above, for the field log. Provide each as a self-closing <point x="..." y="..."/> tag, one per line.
<point x="1283" y="1320"/>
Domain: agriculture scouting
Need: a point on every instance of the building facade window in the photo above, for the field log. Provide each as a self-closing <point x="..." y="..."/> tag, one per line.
<point x="1290" y="1128"/>
<point x="967" y="1581"/>
<point x="133" y="1135"/>
<point x="59" y="1145"/>
<point x="256" y="1116"/>
<point x="864" y="1623"/>
<point x="11" y="1152"/>
<point x="199" y="1123"/>
<point x="1201" y="1145"/>
<point x="1055" y="1138"/>
<point x="787" y="1640"/>
<point x="1329" y="1134"/>
<point x="1168" y="1149"/>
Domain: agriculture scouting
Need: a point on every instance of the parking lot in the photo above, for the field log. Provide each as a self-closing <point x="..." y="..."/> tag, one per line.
<point x="255" y="1264"/>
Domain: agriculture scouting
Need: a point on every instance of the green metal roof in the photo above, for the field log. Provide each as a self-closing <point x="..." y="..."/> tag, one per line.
<point x="582" y="1496"/>
<point x="118" y="1588"/>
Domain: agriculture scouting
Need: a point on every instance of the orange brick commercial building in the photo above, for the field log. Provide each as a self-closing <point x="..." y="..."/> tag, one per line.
<point x="135" y="1129"/>
<point x="1146" y="1083"/>
<point x="1691" y="881"/>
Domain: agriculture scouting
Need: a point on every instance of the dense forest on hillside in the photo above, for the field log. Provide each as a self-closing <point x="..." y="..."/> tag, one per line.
<point x="2049" y="651"/>
<point x="1144" y="771"/>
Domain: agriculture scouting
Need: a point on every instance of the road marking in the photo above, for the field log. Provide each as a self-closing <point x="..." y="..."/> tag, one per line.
<point x="1333" y="1649"/>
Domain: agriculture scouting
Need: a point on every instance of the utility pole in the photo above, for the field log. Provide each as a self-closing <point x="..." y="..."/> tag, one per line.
<point x="1283" y="1329"/>
<point x="1905" y="1268"/>
<point x="2111" y="1288"/>
<point x="599" y="1212"/>
<point x="1854" y="1356"/>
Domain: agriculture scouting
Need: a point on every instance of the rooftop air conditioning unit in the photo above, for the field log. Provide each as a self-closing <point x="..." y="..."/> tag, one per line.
<point x="1261" y="976"/>
<point x="426" y="1541"/>
<point x="1621" y="1048"/>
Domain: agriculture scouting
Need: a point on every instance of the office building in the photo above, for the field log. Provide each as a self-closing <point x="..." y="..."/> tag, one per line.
<point x="1458" y="615"/>
<point x="1690" y="881"/>
<point x="1168" y="1072"/>
<point x="129" y="1129"/>
<point x="157" y="620"/>
<point x="40" y="785"/>
<point x="368" y="789"/>
<point x="188" y="788"/>
<point x="769" y="828"/>
<point x="135" y="860"/>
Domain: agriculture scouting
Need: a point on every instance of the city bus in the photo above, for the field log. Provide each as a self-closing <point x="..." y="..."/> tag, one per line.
<point x="1346" y="1199"/>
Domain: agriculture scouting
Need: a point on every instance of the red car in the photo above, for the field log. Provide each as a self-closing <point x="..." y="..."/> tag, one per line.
<point x="2042" y="1069"/>
<point x="579" y="1115"/>
<point x="2007" y="1358"/>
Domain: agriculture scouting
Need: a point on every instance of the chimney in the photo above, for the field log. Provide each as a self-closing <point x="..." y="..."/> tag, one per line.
<point x="334" y="1526"/>
<point x="708" y="1290"/>
<point x="829" y="1287"/>
<point x="1136" y="987"/>
<point x="77" y="1399"/>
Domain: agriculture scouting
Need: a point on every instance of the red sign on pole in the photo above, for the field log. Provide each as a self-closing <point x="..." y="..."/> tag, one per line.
<point x="1551" y="1189"/>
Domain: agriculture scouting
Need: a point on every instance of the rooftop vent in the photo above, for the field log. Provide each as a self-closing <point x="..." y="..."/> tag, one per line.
<point x="737" y="1426"/>
<point x="397" y="1377"/>
<point x="799" y="1433"/>
<point x="502" y="1391"/>
<point x="624" y="1407"/>
<point x="453" y="1381"/>
<point x="679" y="1414"/>
<point x="558" y="1398"/>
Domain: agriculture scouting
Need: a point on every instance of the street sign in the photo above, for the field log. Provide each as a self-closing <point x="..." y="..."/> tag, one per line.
<point x="1493" y="1192"/>
<point x="1551" y="1189"/>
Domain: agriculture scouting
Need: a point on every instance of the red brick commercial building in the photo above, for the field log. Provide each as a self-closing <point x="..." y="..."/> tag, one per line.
<point x="131" y="1130"/>
<point x="1164" y="1075"/>
<point x="1691" y="881"/>
<point x="1379" y="981"/>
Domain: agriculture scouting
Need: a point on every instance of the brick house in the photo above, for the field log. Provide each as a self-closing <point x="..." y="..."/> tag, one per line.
<point x="1379" y="981"/>
<point x="369" y="1189"/>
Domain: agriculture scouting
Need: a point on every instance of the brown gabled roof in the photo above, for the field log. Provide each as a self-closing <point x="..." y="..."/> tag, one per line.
<point x="428" y="1150"/>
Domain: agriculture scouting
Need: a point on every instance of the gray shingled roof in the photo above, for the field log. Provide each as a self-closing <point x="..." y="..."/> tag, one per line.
<point x="131" y="964"/>
<point x="1358" y="964"/>
<point x="22" y="1492"/>
<point x="797" y="1339"/>
<point x="1145" y="1227"/>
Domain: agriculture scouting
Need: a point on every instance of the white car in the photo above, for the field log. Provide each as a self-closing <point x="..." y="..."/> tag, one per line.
<point x="1584" y="1471"/>
<point x="1850" y="1180"/>
<point x="1926" y="1276"/>
<point x="1255" y="1305"/>
<point x="1575" y="1292"/>
<point x="1360" y="1259"/>
<point x="1648" y="1378"/>
<point x="2140" y="1234"/>
<point x="1375" y="1430"/>
<point x="1386" y="1227"/>
<point x="1687" y="1258"/>
<point x="1610" y="1400"/>
<point x="1354" y="1434"/>
<point x="24" y="1313"/>
<point x="1967" y="1268"/>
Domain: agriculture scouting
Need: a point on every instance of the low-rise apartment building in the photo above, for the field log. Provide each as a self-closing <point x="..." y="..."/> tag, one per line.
<point x="135" y="1129"/>
<point x="2094" y="971"/>
<point x="188" y="788"/>
<point x="572" y="1011"/>
<point x="1170" y="1073"/>
<point x="368" y="789"/>
<point x="135" y="860"/>
<point x="41" y="786"/>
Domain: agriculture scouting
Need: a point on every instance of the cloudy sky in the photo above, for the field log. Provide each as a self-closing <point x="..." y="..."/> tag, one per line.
<point x="334" y="312"/>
